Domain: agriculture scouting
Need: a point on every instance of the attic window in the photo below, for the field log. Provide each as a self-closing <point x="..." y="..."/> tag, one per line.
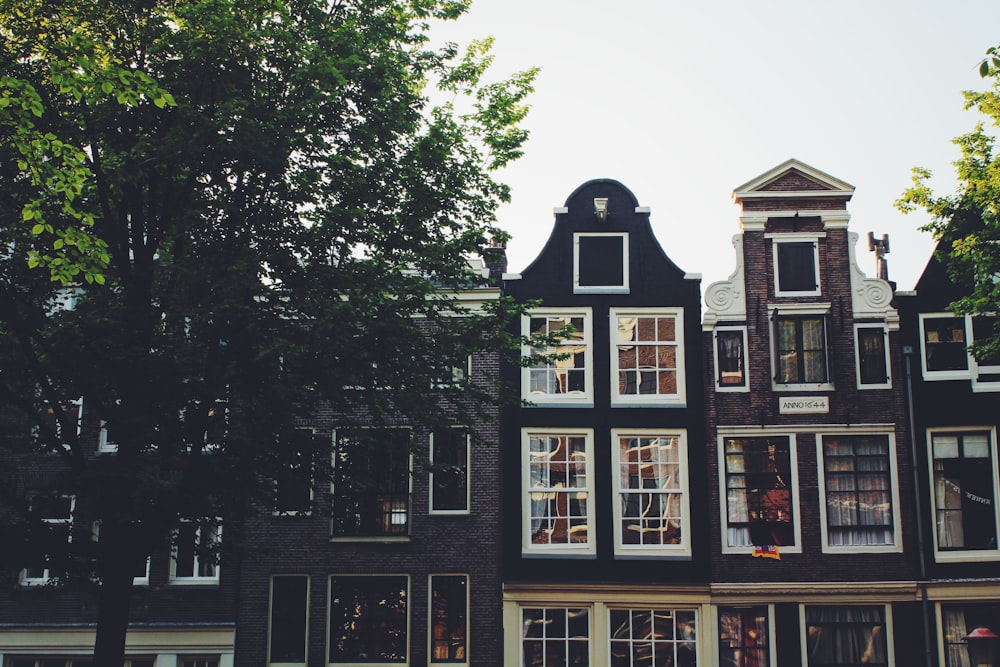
<point x="600" y="262"/>
<point x="796" y="266"/>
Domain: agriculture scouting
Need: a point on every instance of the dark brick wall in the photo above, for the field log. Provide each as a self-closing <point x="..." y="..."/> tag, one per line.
<point x="464" y="544"/>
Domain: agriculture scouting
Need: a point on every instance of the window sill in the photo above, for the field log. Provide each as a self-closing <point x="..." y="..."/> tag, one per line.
<point x="803" y="387"/>
<point x="371" y="539"/>
<point x="982" y="555"/>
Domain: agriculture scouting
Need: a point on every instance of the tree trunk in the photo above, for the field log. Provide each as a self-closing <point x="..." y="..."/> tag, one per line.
<point x="114" y="597"/>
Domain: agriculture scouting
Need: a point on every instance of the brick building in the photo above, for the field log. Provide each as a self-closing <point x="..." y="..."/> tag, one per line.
<point x="808" y="448"/>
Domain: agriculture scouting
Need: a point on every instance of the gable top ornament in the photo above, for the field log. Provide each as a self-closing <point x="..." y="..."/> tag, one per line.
<point x="793" y="179"/>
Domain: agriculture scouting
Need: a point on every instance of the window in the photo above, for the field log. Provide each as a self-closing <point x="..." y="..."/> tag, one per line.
<point x="293" y="492"/>
<point x="857" y="482"/>
<point x="801" y="349"/>
<point x="760" y="493"/>
<point x="744" y="640"/>
<point x="649" y="360"/>
<point x="55" y="419"/>
<point x="51" y="535"/>
<point x="846" y="636"/>
<point x="449" y="618"/>
<point x="795" y="267"/>
<point x="450" y="471"/>
<point x="730" y="359"/>
<point x="371" y="483"/>
<point x="873" y="358"/>
<point x="555" y="636"/>
<point x="945" y="344"/>
<point x="964" y="495"/>
<point x="288" y="625"/>
<point x="567" y="379"/>
<point x="368" y="619"/>
<point x="653" y="637"/>
<point x="557" y="485"/>
<point x="651" y="486"/>
<point x="600" y="262"/>
<point x="946" y="341"/>
<point x="198" y="662"/>
<point x="140" y="564"/>
<point x="195" y="558"/>
<point x="106" y="442"/>
<point x="957" y="621"/>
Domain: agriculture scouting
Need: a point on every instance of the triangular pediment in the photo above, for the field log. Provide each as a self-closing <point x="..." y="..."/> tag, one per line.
<point x="793" y="179"/>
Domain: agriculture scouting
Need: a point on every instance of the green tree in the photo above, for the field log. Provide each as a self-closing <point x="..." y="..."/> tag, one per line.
<point x="966" y="223"/>
<point x="257" y="210"/>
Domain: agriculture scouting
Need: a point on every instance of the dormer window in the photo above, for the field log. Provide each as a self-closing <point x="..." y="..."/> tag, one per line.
<point x="796" y="265"/>
<point x="600" y="262"/>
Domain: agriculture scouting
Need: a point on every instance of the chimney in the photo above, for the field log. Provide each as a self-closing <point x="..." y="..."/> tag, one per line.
<point x="495" y="258"/>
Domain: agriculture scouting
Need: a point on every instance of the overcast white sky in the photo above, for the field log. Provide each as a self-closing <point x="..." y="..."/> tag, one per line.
<point x="684" y="101"/>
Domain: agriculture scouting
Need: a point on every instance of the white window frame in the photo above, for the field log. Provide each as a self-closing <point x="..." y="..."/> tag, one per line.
<point x="890" y="653"/>
<point x="430" y="618"/>
<point x="585" y="549"/>
<point x="680" y="397"/>
<point x="468" y="476"/>
<point x="682" y="549"/>
<point x="104" y="445"/>
<point x="195" y="580"/>
<point x="581" y="399"/>
<point x="23" y="578"/>
<point x="793" y="463"/>
<point x="270" y="618"/>
<point x="600" y="289"/>
<point x="745" y="387"/>
<point x="897" y="542"/>
<point x="796" y="237"/>
<point x="958" y="374"/>
<point x="76" y="403"/>
<point x="970" y="555"/>
<point x="798" y="311"/>
<point x="885" y="351"/>
<point x="409" y="610"/>
<point x="974" y="369"/>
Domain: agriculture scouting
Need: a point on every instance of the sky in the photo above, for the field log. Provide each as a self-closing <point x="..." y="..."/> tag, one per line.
<point x="684" y="101"/>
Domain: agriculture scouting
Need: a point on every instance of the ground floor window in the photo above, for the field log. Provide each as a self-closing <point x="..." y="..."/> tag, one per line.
<point x="555" y="637"/>
<point x="449" y="611"/>
<point x="853" y="635"/>
<point x="368" y="619"/>
<point x="957" y="621"/>
<point x="743" y="637"/>
<point x="641" y="637"/>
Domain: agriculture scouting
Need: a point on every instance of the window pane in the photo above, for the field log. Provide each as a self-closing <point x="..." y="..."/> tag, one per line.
<point x="801" y="350"/>
<point x="601" y="261"/>
<point x="368" y="619"/>
<point x="846" y="636"/>
<point x="650" y="490"/>
<point x="289" y="601"/>
<point x="964" y="491"/>
<point x="449" y="602"/>
<point x="647" y="356"/>
<point x="555" y="637"/>
<point x="871" y="356"/>
<point x="371" y="490"/>
<point x="731" y="361"/>
<point x="759" y="492"/>
<point x="558" y="489"/>
<point x="449" y="476"/>
<point x="796" y="266"/>
<point x="566" y="375"/>
<point x="858" y="490"/>
<point x="945" y="345"/>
